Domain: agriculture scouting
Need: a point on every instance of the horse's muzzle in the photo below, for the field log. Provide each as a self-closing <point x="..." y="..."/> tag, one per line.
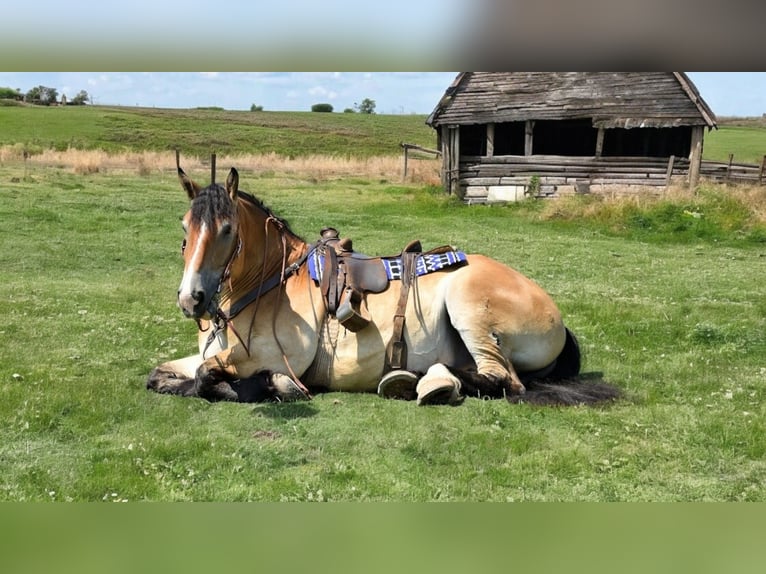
<point x="193" y="304"/>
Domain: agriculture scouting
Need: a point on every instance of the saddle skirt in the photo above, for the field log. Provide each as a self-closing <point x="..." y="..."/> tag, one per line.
<point x="430" y="262"/>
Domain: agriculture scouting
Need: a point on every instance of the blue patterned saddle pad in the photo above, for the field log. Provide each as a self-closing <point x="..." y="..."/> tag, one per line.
<point x="424" y="264"/>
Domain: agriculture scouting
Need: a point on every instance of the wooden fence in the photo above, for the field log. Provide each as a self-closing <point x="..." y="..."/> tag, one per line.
<point x="730" y="172"/>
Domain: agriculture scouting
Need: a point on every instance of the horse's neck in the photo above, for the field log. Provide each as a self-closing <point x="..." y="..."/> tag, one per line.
<point x="265" y="249"/>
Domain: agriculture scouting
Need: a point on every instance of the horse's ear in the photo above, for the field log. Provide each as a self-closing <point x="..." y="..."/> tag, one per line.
<point x="192" y="189"/>
<point x="232" y="184"/>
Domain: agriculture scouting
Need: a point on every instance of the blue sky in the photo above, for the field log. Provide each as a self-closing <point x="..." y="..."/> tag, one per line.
<point x="727" y="93"/>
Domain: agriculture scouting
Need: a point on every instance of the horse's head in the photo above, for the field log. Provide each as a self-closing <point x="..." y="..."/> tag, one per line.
<point x="210" y="243"/>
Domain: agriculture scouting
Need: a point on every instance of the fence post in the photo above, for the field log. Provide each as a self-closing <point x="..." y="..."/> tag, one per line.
<point x="728" y="167"/>
<point x="406" y="149"/>
<point x="763" y="168"/>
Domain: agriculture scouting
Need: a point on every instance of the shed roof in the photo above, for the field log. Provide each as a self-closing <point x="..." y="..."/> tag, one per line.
<point x="611" y="99"/>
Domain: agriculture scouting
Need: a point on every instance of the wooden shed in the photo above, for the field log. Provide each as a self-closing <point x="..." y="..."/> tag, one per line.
<point x="506" y="134"/>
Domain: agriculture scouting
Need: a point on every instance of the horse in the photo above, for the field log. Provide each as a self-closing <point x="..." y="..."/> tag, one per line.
<point x="270" y="329"/>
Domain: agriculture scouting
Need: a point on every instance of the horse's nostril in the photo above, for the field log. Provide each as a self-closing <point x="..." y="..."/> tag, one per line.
<point x="198" y="296"/>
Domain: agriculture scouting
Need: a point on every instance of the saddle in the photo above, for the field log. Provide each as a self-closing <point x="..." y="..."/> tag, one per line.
<point x="347" y="276"/>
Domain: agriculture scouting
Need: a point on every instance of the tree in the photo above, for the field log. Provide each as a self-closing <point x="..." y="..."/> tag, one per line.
<point x="42" y="95"/>
<point x="255" y="108"/>
<point x="80" y="99"/>
<point x="10" y="94"/>
<point x="366" y="107"/>
<point x="321" y="108"/>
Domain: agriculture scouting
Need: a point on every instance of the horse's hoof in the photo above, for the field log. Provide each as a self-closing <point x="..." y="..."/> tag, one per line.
<point x="437" y="391"/>
<point x="287" y="390"/>
<point x="398" y="384"/>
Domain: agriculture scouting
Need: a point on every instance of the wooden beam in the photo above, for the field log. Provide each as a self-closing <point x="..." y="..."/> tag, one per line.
<point x="695" y="155"/>
<point x="600" y="142"/>
<point x="445" y="147"/>
<point x="669" y="173"/>
<point x="490" y="140"/>
<point x="529" y="129"/>
<point x="454" y="174"/>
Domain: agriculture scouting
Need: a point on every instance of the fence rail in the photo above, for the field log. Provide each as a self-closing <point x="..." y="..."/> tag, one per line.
<point x="731" y="172"/>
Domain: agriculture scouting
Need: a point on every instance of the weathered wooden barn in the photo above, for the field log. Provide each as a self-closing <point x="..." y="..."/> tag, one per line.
<point x="506" y="134"/>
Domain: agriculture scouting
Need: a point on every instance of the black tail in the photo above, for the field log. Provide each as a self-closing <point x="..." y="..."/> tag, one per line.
<point x="565" y="385"/>
<point x="568" y="361"/>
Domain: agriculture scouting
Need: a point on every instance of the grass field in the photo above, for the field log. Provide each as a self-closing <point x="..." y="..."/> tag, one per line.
<point x="292" y="134"/>
<point x="202" y="132"/>
<point x="667" y="298"/>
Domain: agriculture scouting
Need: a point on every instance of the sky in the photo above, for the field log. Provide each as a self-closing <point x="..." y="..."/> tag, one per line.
<point x="727" y="93"/>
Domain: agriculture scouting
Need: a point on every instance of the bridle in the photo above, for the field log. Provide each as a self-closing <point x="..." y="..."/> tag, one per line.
<point x="222" y="320"/>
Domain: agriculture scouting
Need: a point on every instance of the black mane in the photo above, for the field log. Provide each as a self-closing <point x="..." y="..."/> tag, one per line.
<point x="214" y="202"/>
<point x="211" y="203"/>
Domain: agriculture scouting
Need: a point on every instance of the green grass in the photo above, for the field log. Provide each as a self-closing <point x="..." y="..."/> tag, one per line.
<point x="748" y="144"/>
<point x="713" y="213"/>
<point x="202" y="131"/>
<point x="90" y="269"/>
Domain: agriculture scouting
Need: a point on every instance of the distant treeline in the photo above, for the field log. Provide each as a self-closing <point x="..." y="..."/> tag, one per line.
<point x="44" y="96"/>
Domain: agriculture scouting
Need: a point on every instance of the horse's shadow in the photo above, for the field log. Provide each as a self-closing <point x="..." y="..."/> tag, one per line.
<point x="296" y="410"/>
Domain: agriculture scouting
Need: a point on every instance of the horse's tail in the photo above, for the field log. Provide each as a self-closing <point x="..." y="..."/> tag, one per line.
<point x="565" y="385"/>
<point x="568" y="361"/>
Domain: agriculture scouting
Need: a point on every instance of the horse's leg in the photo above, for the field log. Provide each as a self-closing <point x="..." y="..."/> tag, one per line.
<point x="175" y="377"/>
<point x="222" y="378"/>
<point x="214" y="377"/>
<point x="180" y="377"/>
<point x="474" y="313"/>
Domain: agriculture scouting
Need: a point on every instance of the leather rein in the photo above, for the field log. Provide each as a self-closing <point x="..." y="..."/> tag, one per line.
<point x="221" y="320"/>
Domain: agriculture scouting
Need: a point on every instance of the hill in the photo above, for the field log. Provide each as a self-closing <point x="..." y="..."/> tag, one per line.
<point x="203" y="131"/>
<point x="290" y="134"/>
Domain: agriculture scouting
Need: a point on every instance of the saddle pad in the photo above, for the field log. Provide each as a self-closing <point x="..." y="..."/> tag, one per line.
<point x="424" y="264"/>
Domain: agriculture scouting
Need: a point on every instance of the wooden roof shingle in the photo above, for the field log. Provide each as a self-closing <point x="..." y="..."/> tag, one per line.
<point x="610" y="99"/>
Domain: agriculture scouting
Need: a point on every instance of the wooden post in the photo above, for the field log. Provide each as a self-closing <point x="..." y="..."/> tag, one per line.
<point x="454" y="172"/>
<point x="728" y="167"/>
<point x="529" y="129"/>
<point x="212" y="169"/>
<point x="760" y="173"/>
<point x="599" y="142"/>
<point x="404" y="177"/>
<point x="490" y="140"/>
<point x="695" y="155"/>
<point x="446" y="159"/>
<point x="669" y="174"/>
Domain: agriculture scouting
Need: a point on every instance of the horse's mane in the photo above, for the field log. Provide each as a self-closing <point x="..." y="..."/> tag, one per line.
<point x="249" y="197"/>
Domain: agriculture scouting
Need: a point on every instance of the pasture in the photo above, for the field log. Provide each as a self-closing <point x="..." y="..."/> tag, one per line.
<point x="669" y="304"/>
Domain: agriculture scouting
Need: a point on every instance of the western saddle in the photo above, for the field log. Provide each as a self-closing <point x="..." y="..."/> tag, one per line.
<point x="347" y="277"/>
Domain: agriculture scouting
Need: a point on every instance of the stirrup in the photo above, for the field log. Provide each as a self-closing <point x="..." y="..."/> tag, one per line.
<point x="398" y="384"/>
<point x="350" y="311"/>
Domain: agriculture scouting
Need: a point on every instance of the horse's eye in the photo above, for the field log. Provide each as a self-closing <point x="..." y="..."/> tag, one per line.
<point x="183" y="247"/>
<point x="226" y="229"/>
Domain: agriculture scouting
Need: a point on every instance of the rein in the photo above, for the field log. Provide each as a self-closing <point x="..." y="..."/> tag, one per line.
<point x="221" y="320"/>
